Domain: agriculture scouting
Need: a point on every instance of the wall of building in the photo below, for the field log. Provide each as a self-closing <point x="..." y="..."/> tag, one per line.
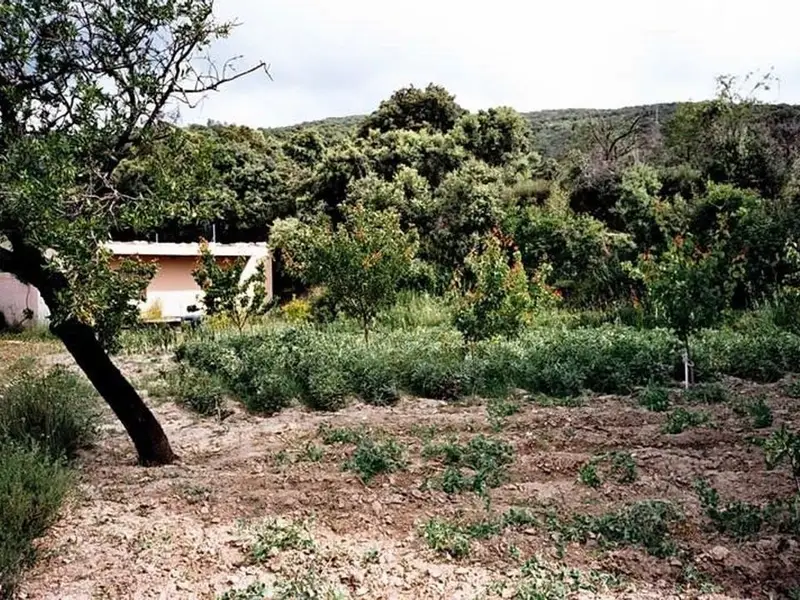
<point x="16" y="297"/>
<point x="173" y="288"/>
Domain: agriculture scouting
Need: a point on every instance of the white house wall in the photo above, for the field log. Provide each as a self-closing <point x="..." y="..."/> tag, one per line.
<point x="16" y="297"/>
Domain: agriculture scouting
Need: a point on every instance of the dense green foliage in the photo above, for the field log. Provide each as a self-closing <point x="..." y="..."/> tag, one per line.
<point x="613" y="201"/>
<point x="324" y="366"/>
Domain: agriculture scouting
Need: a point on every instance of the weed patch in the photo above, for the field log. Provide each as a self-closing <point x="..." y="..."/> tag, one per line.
<point x="484" y="459"/>
<point x="655" y="398"/>
<point x="645" y="524"/>
<point x="706" y="393"/>
<point x="542" y="581"/>
<point x="274" y="536"/>
<point x="55" y="412"/>
<point x="617" y="466"/>
<point x="32" y="487"/>
<point x="342" y="435"/>
<point x="743" y="520"/>
<point x="372" y="458"/>
<point x="680" y="419"/>
<point x="757" y="410"/>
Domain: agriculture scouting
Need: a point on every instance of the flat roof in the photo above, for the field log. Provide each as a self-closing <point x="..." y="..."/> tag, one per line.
<point x="190" y="249"/>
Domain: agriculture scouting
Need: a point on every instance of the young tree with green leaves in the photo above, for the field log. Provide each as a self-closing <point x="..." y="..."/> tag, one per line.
<point x="359" y="261"/>
<point x="83" y="84"/>
<point x="492" y="296"/>
<point x="226" y="292"/>
<point x="690" y="287"/>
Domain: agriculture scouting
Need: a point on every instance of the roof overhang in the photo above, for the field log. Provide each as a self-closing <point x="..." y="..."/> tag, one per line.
<point x="193" y="249"/>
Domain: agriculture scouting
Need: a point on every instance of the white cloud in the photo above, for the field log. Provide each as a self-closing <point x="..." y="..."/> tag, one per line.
<point x="334" y="58"/>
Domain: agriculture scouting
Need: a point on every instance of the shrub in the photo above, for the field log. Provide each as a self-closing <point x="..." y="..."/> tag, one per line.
<point x="371" y="458"/>
<point x="32" y="486"/>
<point x="55" y="411"/>
<point x="496" y="299"/>
<point x="297" y="310"/>
<point x="358" y="261"/>
<point x="707" y="393"/>
<point x="655" y="398"/>
<point x="764" y="356"/>
<point x="198" y="391"/>
<point x="680" y="419"/>
<point x="372" y="378"/>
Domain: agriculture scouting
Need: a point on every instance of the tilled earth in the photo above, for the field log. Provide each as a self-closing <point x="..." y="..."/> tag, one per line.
<point x="182" y="531"/>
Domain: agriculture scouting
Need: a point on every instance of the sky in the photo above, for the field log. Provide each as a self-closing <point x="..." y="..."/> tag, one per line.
<point x="341" y="57"/>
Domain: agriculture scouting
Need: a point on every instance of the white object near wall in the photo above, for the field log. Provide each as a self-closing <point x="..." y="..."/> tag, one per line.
<point x="17" y="298"/>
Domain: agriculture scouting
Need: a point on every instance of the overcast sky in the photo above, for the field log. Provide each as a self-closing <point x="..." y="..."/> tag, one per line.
<point x="342" y="57"/>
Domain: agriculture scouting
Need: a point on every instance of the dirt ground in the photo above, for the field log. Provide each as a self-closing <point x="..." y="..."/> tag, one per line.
<point x="180" y="532"/>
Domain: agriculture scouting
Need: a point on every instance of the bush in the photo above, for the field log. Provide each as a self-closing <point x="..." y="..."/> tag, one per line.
<point x="371" y="458"/>
<point x="32" y="486"/>
<point x="297" y="310"/>
<point x="322" y="367"/>
<point x="198" y="391"/>
<point x="372" y="378"/>
<point x="55" y="411"/>
<point x="764" y="356"/>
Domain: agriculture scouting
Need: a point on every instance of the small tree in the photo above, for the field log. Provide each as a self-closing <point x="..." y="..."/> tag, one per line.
<point x="493" y="296"/>
<point x="359" y="261"/>
<point x="689" y="287"/>
<point x="226" y="292"/>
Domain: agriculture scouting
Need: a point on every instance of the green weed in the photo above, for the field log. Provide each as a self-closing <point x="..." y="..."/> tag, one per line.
<point x="446" y="538"/>
<point x="372" y="458"/>
<point x="620" y="466"/>
<point x="588" y="475"/>
<point x="707" y="393"/>
<point x="312" y="453"/>
<point x="485" y="458"/>
<point x="32" y="487"/>
<point x="273" y="536"/>
<point x="498" y="410"/>
<point x="759" y="412"/>
<point x="680" y="419"/>
<point x="56" y="412"/>
<point x="655" y="398"/>
<point x="342" y="435"/>
<point x="646" y="524"/>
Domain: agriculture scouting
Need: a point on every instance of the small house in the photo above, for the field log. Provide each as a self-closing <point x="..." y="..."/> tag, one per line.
<point x="170" y="295"/>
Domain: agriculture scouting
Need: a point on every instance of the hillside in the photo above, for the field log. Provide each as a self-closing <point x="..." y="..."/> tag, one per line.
<point x="552" y="128"/>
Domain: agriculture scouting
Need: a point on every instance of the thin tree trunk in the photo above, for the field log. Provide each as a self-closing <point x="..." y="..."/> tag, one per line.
<point x="144" y="430"/>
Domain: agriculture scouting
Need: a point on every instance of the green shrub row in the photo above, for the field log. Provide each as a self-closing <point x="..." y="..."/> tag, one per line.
<point x="322" y="368"/>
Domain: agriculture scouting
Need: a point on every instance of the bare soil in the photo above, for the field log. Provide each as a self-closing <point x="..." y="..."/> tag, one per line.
<point x="180" y="532"/>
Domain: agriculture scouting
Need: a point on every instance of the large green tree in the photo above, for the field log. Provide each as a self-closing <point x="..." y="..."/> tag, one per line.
<point x="83" y="83"/>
